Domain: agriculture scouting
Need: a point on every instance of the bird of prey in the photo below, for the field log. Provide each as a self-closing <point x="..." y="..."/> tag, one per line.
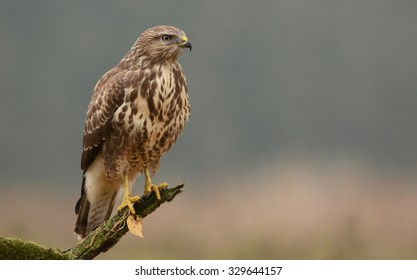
<point x="136" y="113"/>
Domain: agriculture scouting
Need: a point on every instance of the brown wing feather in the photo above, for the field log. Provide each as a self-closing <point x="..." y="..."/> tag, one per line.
<point x="107" y="97"/>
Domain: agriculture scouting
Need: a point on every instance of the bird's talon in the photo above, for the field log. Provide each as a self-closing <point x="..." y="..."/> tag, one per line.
<point x="155" y="188"/>
<point x="128" y="201"/>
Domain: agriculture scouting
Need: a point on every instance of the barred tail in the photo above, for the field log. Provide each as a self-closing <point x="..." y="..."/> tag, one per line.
<point x="94" y="207"/>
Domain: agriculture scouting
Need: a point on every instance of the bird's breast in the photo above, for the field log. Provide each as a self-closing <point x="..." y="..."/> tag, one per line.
<point x="153" y="116"/>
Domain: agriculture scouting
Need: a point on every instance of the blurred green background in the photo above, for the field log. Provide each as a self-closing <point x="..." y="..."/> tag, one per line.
<point x="302" y="142"/>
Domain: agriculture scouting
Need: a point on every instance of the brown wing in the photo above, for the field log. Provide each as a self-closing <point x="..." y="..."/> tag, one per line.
<point x="107" y="97"/>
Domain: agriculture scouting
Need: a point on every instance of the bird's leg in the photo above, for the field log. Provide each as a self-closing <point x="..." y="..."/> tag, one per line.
<point x="128" y="200"/>
<point x="149" y="186"/>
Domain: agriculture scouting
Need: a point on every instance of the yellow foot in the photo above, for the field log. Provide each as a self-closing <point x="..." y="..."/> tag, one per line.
<point x="128" y="201"/>
<point x="155" y="188"/>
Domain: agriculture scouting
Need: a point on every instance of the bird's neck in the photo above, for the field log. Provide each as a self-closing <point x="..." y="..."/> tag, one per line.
<point x="142" y="61"/>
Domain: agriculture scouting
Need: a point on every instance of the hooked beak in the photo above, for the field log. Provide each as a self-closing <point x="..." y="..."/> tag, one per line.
<point x="184" y="43"/>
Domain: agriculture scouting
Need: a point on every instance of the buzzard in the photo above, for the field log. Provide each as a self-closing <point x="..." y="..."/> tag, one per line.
<point x="136" y="113"/>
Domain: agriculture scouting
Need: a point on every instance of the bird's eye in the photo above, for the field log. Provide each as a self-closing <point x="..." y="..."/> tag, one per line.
<point x="166" y="38"/>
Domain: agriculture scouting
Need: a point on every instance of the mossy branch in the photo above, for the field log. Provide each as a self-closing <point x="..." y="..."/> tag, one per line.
<point x="98" y="241"/>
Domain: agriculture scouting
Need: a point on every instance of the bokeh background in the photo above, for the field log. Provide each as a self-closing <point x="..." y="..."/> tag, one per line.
<point x="302" y="142"/>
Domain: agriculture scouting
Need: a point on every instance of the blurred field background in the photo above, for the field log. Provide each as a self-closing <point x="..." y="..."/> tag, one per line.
<point x="302" y="142"/>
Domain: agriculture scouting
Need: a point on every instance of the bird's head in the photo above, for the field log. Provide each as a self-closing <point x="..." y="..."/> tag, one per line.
<point x="162" y="43"/>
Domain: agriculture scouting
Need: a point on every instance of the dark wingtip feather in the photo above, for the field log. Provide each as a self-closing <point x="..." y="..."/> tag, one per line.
<point x="81" y="209"/>
<point x="82" y="219"/>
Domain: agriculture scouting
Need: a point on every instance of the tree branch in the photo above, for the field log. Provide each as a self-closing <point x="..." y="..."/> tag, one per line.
<point x="98" y="241"/>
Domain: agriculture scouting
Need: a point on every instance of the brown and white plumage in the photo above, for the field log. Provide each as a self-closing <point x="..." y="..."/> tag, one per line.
<point x="137" y="111"/>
